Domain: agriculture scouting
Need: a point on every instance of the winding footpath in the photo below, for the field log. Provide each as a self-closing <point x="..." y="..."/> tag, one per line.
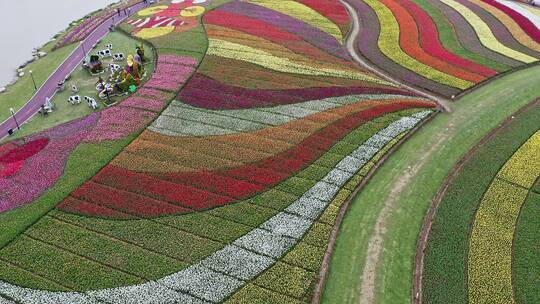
<point x="49" y="87"/>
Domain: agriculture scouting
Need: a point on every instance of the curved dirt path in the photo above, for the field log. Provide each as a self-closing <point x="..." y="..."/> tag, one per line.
<point x="375" y="245"/>
<point x="49" y="87"/>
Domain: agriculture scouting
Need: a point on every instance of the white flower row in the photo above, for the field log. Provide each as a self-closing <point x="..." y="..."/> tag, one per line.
<point x="400" y="126"/>
<point x="307" y="207"/>
<point x="149" y="292"/>
<point x="421" y="115"/>
<point x="285" y="224"/>
<point x="322" y="191"/>
<point x="202" y="282"/>
<point x="351" y="164"/>
<point x="264" y="242"/>
<point x="364" y="152"/>
<point x="219" y="275"/>
<point x="378" y="141"/>
<point x="337" y="177"/>
<point x="238" y="262"/>
<point x="292" y="111"/>
<point x="216" y="119"/>
<point x="178" y="126"/>
<point x="33" y="296"/>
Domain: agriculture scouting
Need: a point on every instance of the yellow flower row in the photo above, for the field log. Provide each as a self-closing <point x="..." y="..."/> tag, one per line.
<point x="390" y="46"/>
<point x="486" y="36"/>
<point x="304" y="13"/>
<point x="490" y="244"/>
<point x="246" y="53"/>
<point x="524" y="166"/>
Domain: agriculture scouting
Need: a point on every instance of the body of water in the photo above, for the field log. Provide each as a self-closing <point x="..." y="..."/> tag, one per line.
<point x="27" y="24"/>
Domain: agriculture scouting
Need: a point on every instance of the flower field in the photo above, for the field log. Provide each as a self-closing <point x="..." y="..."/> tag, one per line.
<point x="446" y="46"/>
<point x="220" y="180"/>
<point x="486" y="219"/>
<point x="224" y="177"/>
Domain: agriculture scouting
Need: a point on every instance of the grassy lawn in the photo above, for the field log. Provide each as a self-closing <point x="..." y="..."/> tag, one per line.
<point x="433" y="151"/>
<point x="86" y="83"/>
<point x="19" y="93"/>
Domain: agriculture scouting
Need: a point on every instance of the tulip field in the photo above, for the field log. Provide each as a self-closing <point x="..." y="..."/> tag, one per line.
<point x="447" y="46"/>
<point x="225" y="177"/>
<point x="488" y="217"/>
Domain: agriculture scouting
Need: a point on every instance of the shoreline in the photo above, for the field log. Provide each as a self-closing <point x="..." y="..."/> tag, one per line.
<point x="36" y="51"/>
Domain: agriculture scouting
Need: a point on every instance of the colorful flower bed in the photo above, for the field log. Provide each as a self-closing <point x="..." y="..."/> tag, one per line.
<point x="230" y="194"/>
<point x="485" y="216"/>
<point x="408" y="39"/>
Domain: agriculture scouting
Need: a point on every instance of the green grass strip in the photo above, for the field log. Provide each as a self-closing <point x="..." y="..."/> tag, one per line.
<point x="20" y="92"/>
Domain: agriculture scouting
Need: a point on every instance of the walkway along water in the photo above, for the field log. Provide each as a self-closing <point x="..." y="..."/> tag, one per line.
<point x="49" y="87"/>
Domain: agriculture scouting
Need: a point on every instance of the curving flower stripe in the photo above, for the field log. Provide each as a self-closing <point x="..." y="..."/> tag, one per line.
<point x="493" y="230"/>
<point x="410" y="41"/>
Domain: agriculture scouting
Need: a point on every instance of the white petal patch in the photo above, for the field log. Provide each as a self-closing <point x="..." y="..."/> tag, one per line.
<point x="378" y="141"/>
<point x="364" y="152"/>
<point x="351" y="164"/>
<point x="202" y="283"/>
<point x="147" y="293"/>
<point x="238" y="262"/>
<point x="337" y="177"/>
<point x="421" y="115"/>
<point x="5" y="301"/>
<point x="33" y="296"/>
<point x="264" y="242"/>
<point x="307" y="207"/>
<point x="322" y="191"/>
<point x="285" y="224"/>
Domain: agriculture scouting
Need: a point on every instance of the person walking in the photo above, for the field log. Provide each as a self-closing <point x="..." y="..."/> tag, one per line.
<point x="118" y="11"/>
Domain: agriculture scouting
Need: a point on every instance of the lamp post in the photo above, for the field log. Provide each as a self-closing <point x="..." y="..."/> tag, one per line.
<point x="14" y="118"/>
<point x="33" y="80"/>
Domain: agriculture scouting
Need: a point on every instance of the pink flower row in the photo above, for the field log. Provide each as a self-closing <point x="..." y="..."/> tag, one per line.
<point x="154" y="105"/>
<point x="177" y="60"/>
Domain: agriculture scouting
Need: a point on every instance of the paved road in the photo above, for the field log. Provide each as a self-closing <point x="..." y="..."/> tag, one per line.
<point x="48" y="89"/>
